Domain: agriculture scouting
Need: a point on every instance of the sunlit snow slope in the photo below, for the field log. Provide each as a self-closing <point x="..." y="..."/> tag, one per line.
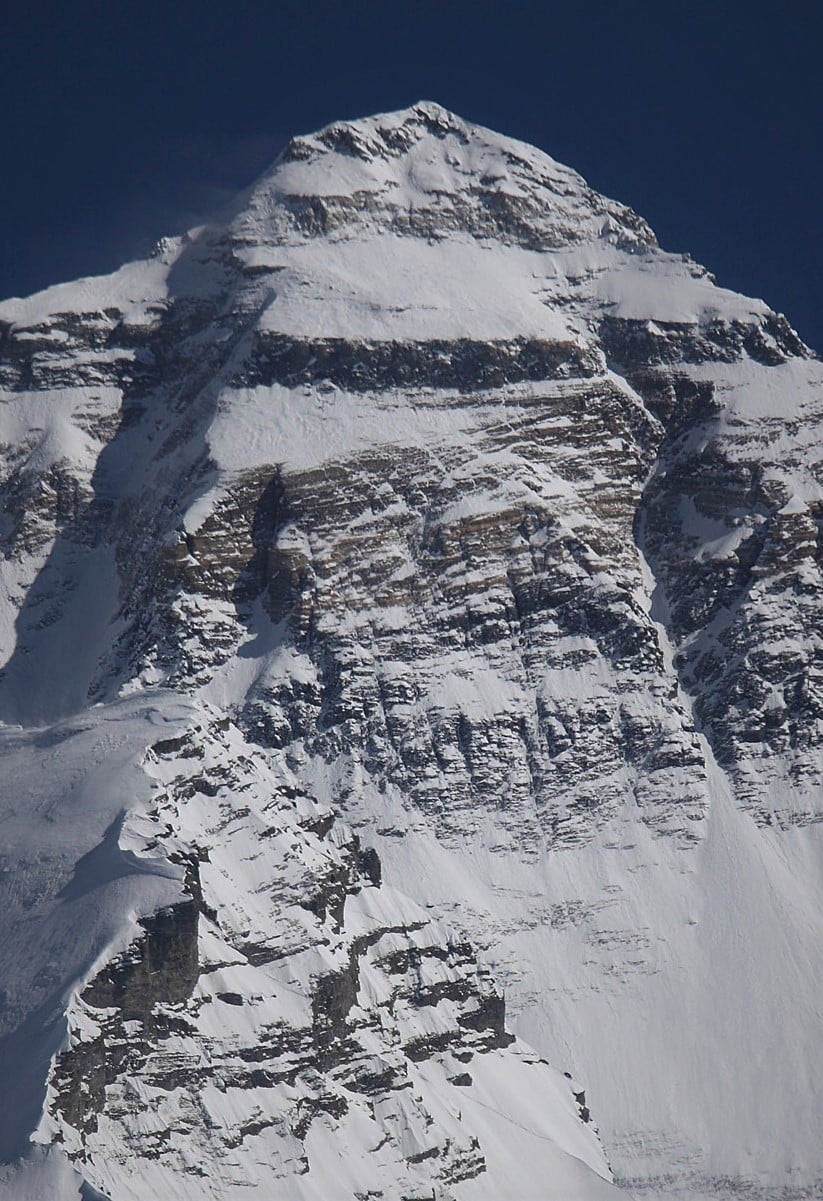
<point x="411" y="639"/>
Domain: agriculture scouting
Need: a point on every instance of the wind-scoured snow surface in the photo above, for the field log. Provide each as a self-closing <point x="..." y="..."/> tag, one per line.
<point x="412" y="693"/>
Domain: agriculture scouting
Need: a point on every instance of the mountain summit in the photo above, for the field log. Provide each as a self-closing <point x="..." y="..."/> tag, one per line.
<point x="411" y="644"/>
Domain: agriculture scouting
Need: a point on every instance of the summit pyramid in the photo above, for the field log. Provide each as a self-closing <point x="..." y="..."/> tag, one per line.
<point x="411" y="684"/>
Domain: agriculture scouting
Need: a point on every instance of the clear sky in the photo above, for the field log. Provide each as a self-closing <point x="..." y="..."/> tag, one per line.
<point x="127" y="119"/>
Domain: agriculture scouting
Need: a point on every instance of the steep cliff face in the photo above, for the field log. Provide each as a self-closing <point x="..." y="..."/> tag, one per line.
<point x="223" y="995"/>
<point x="459" y="511"/>
<point x="310" y="1007"/>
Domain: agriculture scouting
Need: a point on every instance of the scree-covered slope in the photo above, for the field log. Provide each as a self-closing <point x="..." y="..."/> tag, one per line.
<point x="412" y="701"/>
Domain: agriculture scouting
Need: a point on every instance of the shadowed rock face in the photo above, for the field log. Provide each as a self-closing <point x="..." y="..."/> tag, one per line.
<point x="462" y="510"/>
<point x="368" y="367"/>
<point x="143" y="1023"/>
<point x="160" y="968"/>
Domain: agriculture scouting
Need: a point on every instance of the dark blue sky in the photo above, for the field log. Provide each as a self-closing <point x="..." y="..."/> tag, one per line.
<point x="124" y="121"/>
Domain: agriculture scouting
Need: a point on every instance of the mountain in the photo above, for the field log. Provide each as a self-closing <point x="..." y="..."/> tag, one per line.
<point x="411" y="696"/>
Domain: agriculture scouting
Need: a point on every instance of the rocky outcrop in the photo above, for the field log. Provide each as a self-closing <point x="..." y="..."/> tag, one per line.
<point x="730" y="522"/>
<point x="378" y="993"/>
<point x="161" y="967"/>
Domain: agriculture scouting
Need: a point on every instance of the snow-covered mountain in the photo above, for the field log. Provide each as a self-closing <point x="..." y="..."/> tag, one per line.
<point x="412" y="692"/>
